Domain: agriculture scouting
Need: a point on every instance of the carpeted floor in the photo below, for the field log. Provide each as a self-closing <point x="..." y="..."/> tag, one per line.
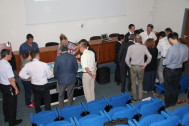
<point x="106" y="90"/>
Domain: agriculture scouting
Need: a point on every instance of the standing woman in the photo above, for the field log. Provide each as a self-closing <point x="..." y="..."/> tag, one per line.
<point x="27" y="83"/>
<point x="150" y="70"/>
<point x="72" y="48"/>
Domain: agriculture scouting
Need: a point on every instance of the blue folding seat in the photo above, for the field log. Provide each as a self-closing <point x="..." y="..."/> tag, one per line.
<point x="43" y="118"/>
<point x="119" y="100"/>
<point x="185" y="120"/>
<point x="92" y="120"/>
<point x="63" y="123"/>
<point x="71" y="111"/>
<point x="94" y="107"/>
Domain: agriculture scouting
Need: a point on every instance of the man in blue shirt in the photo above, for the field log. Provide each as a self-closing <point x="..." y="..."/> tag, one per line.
<point x="28" y="45"/>
<point x="65" y="70"/>
<point x="176" y="55"/>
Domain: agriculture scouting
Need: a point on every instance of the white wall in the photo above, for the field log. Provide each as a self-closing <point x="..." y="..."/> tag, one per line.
<point x="139" y="12"/>
<point x="170" y="13"/>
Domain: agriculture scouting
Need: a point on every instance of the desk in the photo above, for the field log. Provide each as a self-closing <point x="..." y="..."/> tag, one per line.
<point x="105" y="51"/>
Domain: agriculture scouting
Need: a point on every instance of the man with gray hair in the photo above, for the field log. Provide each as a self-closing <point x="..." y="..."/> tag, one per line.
<point x="124" y="69"/>
<point x="89" y="70"/>
<point x="135" y="60"/>
<point x="65" y="70"/>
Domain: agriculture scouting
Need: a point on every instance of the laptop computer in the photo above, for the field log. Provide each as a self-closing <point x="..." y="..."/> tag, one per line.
<point x="105" y="37"/>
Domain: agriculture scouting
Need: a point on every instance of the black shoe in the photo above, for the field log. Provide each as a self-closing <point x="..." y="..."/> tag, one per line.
<point x="16" y="122"/>
<point x="173" y="104"/>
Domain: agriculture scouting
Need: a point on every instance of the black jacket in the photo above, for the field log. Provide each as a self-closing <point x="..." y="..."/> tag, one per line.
<point x="117" y="48"/>
<point x="153" y="63"/>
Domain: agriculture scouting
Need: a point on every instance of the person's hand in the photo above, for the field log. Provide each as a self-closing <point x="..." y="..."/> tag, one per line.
<point x="93" y="76"/>
<point x="29" y="79"/>
<point x="17" y="92"/>
<point x="143" y="67"/>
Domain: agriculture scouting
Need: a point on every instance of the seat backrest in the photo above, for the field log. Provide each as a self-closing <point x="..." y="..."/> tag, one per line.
<point x="113" y="35"/>
<point x="51" y="44"/>
<point x="150" y="108"/>
<point x="173" y="121"/>
<point x="146" y="121"/>
<point x="119" y="100"/>
<point x="94" y="107"/>
<point x="185" y="120"/>
<point x="44" y="117"/>
<point x="140" y="104"/>
<point x="95" y="38"/>
<point x="184" y="83"/>
<point x="181" y="111"/>
<point x="61" y="123"/>
<point x="71" y="111"/>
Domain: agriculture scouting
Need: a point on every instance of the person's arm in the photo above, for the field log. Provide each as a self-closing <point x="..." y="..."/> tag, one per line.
<point x="37" y="48"/>
<point x="48" y="72"/>
<point x="149" y="58"/>
<point x="127" y="58"/>
<point x="24" y="73"/>
<point x="75" y="64"/>
<point x="168" y="58"/>
<point x="13" y="84"/>
<point x="55" y="68"/>
<point x="21" y="52"/>
<point x="154" y="36"/>
<point x="89" y="72"/>
<point x="120" y="54"/>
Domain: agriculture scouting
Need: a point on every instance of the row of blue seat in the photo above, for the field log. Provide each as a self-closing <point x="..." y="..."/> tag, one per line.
<point x="96" y="112"/>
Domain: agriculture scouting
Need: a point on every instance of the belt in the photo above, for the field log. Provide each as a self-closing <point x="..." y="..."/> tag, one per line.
<point x="137" y="65"/>
<point x="173" y="69"/>
<point x="163" y="57"/>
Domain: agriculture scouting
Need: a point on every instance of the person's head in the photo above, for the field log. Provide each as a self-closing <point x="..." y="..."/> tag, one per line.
<point x="63" y="39"/>
<point x="150" y="43"/>
<point x="34" y="54"/>
<point x="6" y="54"/>
<point x="168" y="31"/>
<point x="173" y="38"/>
<point x="162" y="34"/>
<point x="138" y="39"/>
<point x="63" y="48"/>
<point x="83" y="45"/>
<point x="131" y="37"/>
<point x="132" y="28"/>
<point x="121" y="38"/>
<point x="29" y="38"/>
<point x="27" y="55"/>
<point x="150" y="27"/>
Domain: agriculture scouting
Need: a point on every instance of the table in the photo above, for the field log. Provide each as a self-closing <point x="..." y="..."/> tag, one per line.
<point x="105" y="51"/>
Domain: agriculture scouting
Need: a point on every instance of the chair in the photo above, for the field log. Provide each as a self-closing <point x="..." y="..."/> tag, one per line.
<point x="185" y="120"/>
<point x="121" y="112"/>
<point x="181" y="112"/>
<point x="62" y="123"/>
<point x="173" y="121"/>
<point x="51" y="44"/>
<point x="43" y="118"/>
<point x="95" y="38"/>
<point x="92" y="120"/>
<point x="94" y="107"/>
<point x="113" y="35"/>
<point x="184" y="84"/>
<point x="71" y="111"/>
<point x="119" y="100"/>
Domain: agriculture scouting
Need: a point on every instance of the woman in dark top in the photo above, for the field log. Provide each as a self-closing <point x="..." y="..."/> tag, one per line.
<point x="150" y="70"/>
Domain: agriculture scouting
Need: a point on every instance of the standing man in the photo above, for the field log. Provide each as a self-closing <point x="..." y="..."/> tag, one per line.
<point x="65" y="70"/>
<point x="124" y="68"/>
<point x="121" y="39"/>
<point x="8" y="88"/>
<point x="163" y="46"/>
<point x="148" y="34"/>
<point x="28" y="45"/>
<point x="89" y="71"/>
<point x="135" y="60"/>
<point x="176" y="55"/>
<point x="38" y="72"/>
<point x="131" y="31"/>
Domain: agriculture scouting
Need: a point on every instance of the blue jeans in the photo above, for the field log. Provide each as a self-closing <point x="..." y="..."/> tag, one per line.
<point x="149" y="81"/>
<point x="27" y="88"/>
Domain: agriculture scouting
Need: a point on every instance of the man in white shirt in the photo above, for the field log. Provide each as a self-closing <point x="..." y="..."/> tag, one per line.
<point x="8" y="88"/>
<point x="163" y="46"/>
<point x="38" y="72"/>
<point x="89" y="71"/>
<point x="148" y="34"/>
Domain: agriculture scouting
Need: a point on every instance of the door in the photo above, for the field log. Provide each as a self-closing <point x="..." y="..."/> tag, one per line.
<point x="186" y="33"/>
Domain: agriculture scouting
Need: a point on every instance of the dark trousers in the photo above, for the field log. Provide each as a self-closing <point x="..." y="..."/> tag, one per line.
<point x="124" y="69"/>
<point x="149" y="80"/>
<point x="28" y="90"/>
<point x="41" y="92"/>
<point x="9" y="103"/>
<point x="70" y="91"/>
<point x="117" y="73"/>
<point x="171" y="83"/>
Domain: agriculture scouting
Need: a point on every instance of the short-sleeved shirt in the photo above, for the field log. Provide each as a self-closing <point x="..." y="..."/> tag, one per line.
<point x="25" y="47"/>
<point x="71" y="48"/>
<point x="145" y="36"/>
<point x="5" y="72"/>
<point x="88" y="60"/>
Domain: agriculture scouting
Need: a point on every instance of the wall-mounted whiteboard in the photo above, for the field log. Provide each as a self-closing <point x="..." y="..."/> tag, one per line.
<point x="48" y="11"/>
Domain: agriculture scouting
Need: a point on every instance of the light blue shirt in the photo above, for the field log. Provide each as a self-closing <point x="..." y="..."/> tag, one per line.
<point x="5" y="72"/>
<point x="176" y="55"/>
